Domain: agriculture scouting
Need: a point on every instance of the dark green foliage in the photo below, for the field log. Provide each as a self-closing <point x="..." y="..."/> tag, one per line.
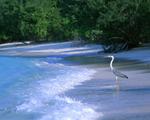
<point x="117" y="24"/>
<point x="34" y="23"/>
<point x="123" y="23"/>
<point x="35" y="20"/>
<point x="120" y="24"/>
<point x="9" y="20"/>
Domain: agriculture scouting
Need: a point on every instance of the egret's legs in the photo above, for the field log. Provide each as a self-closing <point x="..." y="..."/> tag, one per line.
<point x="117" y="84"/>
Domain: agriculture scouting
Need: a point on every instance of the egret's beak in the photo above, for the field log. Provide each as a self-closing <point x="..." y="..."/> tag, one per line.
<point x="107" y="56"/>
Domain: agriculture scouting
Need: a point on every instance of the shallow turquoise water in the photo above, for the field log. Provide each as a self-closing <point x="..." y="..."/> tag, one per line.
<point x="33" y="89"/>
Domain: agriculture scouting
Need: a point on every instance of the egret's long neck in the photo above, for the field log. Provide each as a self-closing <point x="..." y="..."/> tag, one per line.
<point x="111" y="63"/>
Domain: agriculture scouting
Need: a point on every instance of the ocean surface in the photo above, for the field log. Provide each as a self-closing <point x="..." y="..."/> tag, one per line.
<point x="33" y="88"/>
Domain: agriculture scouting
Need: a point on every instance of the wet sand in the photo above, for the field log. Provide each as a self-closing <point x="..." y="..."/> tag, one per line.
<point x="131" y="102"/>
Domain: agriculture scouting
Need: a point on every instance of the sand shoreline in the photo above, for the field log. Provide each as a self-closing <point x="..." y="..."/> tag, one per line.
<point x="100" y="91"/>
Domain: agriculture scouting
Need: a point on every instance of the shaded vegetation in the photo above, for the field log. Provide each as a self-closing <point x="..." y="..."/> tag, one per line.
<point x="116" y="24"/>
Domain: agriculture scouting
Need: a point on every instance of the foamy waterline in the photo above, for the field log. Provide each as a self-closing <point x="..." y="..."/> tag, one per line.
<point x="46" y="97"/>
<point x="71" y="110"/>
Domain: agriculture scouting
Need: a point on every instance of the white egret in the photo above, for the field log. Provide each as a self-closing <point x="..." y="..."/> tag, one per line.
<point x="117" y="73"/>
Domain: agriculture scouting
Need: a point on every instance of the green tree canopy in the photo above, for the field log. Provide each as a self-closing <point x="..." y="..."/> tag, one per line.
<point x="113" y="23"/>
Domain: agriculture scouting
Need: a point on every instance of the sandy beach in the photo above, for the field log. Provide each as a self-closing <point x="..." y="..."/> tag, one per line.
<point x="130" y="103"/>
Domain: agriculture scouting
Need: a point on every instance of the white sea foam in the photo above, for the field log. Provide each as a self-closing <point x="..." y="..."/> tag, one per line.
<point x="31" y="105"/>
<point x="46" y="95"/>
<point x="108" y="87"/>
<point x="41" y="64"/>
<point x="68" y="109"/>
<point x="64" y="82"/>
<point x="61" y="108"/>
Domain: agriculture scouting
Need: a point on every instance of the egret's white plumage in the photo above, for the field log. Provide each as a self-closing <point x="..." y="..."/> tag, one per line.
<point x="115" y="71"/>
